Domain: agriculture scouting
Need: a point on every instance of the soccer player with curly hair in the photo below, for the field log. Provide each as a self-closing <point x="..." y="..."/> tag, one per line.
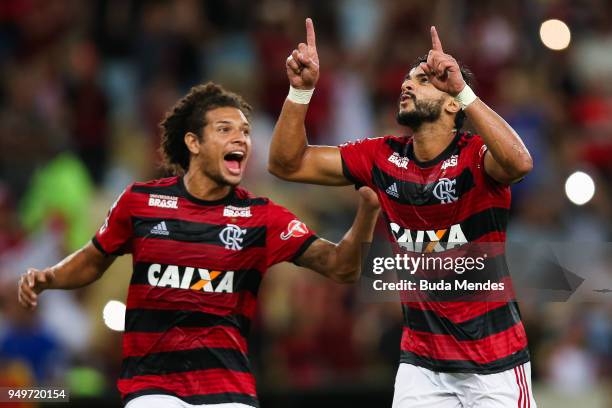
<point x="200" y="246"/>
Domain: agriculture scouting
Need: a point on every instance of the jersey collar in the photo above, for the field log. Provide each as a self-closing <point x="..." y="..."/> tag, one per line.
<point x="446" y="153"/>
<point x="225" y="200"/>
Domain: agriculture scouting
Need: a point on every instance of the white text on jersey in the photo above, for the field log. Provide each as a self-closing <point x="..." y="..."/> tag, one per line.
<point x="181" y="277"/>
<point x="428" y="241"/>
<point x="398" y="160"/>
<point x="232" y="211"/>
<point x="163" y="201"/>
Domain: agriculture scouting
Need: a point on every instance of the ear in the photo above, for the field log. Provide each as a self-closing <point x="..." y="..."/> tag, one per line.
<point x="452" y="106"/>
<point x="192" y="141"/>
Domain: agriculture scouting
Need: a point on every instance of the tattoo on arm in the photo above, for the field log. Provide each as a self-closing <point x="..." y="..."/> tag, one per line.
<point x="318" y="257"/>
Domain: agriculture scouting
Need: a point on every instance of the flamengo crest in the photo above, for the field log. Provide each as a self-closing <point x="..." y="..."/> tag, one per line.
<point x="445" y="190"/>
<point x="232" y="237"/>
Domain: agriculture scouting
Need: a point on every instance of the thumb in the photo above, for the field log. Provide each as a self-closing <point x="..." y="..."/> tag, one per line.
<point x="369" y="197"/>
<point x="43" y="280"/>
<point x="30" y="276"/>
<point x="47" y="276"/>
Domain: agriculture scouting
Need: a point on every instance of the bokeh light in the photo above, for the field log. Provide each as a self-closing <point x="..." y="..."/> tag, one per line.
<point x="555" y="34"/>
<point x="579" y="188"/>
<point x="114" y="315"/>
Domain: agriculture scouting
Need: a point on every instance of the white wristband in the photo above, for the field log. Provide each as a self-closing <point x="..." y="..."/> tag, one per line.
<point x="301" y="96"/>
<point x="466" y="96"/>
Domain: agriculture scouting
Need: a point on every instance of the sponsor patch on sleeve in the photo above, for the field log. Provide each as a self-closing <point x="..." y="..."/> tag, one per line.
<point x="295" y="229"/>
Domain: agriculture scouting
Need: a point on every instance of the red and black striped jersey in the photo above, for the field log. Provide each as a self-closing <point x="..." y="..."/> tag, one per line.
<point x="197" y="266"/>
<point x="439" y="204"/>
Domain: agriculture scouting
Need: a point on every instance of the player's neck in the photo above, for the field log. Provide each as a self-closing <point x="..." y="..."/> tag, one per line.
<point x="430" y="140"/>
<point x="204" y="188"/>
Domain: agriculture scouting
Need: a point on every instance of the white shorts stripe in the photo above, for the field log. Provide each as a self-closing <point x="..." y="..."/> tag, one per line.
<point x="418" y="387"/>
<point x="518" y="383"/>
<point x="526" y="383"/>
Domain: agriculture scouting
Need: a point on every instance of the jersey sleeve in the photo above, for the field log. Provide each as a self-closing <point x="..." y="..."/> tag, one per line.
<point x="114" y="236"/>
<point x="288" y="237"/>
<point x="357" y="160"/>
<point x="477" y="151"/>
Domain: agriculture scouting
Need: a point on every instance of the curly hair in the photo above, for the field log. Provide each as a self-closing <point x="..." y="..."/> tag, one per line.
<point x="189" y="115"/>
<point x="468" y="77"/>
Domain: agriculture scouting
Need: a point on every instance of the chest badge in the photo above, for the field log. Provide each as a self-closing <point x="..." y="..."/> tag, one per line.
<point x="444" y="190"/>
<point x="232" y="236"/>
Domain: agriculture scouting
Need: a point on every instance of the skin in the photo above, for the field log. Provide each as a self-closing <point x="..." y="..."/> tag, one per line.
<point x="292" y="158"/>
<point x="210" y="178"/>
<point x="227" y="130"/>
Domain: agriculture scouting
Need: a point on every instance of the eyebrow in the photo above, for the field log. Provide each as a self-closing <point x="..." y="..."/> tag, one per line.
<point x="229" y="122"/>
<point x="417" y="76"/>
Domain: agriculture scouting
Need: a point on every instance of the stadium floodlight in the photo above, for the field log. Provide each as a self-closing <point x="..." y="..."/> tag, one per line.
<point x="555" y="34"/>
<point x="114" y="315"/>
<point x="579" y="188"/>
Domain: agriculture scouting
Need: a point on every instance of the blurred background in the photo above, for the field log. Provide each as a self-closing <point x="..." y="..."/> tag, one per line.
<point x="84" y="84"/>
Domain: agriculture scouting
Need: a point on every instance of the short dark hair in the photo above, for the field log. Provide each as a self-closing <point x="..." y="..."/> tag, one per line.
<point x="189" y="115"/>
<point x="468" y="77"/>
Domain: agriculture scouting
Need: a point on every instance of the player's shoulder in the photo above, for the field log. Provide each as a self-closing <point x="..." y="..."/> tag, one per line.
<point x="161" y="182"/>
<point x="396" y="139"/>
<point x="366" y="142"/>
<point x="161" y="189"/>
<point x="245" y="198"/>
<point x="165" y="186"/>
<point x="470" y="142"/>
<point x="469" y="139"/>
<point x="397" y="143"/>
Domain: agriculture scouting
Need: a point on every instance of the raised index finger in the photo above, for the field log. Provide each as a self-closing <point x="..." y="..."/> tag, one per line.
<point x="310" y="33"/>
<point x="436" y="45"/>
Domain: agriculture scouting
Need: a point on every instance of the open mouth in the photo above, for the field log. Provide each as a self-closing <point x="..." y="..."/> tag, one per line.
<point x="406" y="96"/>
<point x="233" y="162"/>
<point x="405" y="99"/>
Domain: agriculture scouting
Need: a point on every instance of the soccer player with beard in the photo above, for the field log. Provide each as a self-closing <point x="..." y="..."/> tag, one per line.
<point x="200" y="246"/>
<point x="438" y="185"/>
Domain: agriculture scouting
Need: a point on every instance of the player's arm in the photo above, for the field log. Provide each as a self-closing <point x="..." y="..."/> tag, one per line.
<point x="77" y="270"/>
<point x="507" y="160"/>
<point x="291" y="157"/>
<point x="342" y="261"/>
<point x="85" y="265"/>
